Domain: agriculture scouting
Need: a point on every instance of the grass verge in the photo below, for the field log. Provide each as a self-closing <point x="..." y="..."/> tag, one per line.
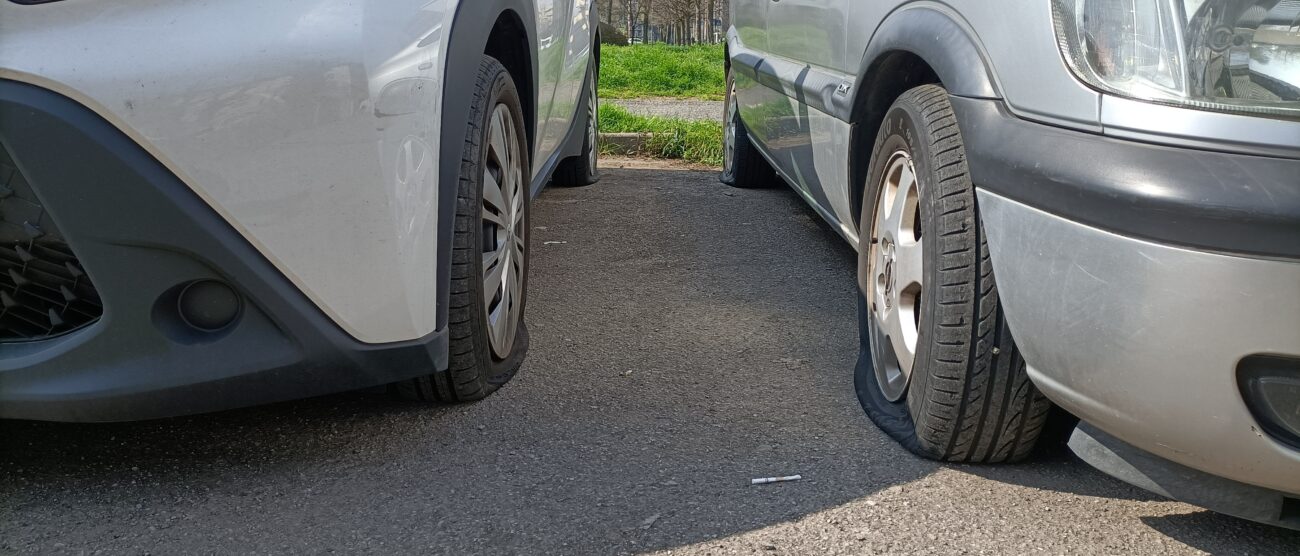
<point x="692" y="140"/>
<point x="660" y="70"/>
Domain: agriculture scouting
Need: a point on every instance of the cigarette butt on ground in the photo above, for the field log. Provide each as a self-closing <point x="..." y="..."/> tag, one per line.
<point x="766" y="480"/>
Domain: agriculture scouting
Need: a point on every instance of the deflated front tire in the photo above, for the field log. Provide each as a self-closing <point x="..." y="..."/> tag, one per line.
<point x="938" y="370"/>
<point x="489" y="272"/>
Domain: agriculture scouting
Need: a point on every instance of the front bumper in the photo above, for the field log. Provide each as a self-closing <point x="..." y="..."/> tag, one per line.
<point x="1143" y="340"/>
<point x="140" y="234"/>
<point x="1119" y="285"/>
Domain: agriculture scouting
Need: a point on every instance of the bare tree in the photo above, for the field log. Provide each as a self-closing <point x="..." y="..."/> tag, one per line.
<point x="671" y="21"/>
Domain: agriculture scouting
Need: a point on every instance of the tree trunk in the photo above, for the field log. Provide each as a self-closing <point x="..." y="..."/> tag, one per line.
<point x="645" y="23"/>
<point x="699" y="24"/>
<point x="713" y="33"/>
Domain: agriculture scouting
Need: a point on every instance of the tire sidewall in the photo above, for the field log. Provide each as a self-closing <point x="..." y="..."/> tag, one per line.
<point x="898" y="131"/>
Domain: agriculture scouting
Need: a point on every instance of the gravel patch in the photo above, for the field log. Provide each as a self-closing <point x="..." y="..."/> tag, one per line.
<point x="672" y="108"/>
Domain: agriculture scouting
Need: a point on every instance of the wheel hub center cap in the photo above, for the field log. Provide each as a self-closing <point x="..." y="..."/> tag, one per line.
<point x="887" y="270"/>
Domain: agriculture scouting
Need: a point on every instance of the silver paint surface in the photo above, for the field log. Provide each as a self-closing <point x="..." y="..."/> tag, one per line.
<point x="1142" y="339"/>
<point x="1018" y="42"/>
<point x="311" y="126"/>
<point x="829" y="39"/>
<point x="1171" y="125"/>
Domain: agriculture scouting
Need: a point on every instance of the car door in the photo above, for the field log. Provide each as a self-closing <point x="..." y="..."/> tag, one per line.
<point x="805" y="66"/>
<point x="564" y="55"/>
<point x="552" y="28"/>
<point x="749" y="21"/>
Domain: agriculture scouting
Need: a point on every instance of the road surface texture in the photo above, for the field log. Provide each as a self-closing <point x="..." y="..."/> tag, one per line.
<point x="685" y="109"/>
<point x="686" y="337"/>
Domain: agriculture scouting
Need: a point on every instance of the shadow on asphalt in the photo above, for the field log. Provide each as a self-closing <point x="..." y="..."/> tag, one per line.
<point x="1205" y="530"/>
<point x="1059" y="470"/>
<point x="686" y="337"/>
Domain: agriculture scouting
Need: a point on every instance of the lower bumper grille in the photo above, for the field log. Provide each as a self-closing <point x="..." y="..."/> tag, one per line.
<point x="43" y="290"/>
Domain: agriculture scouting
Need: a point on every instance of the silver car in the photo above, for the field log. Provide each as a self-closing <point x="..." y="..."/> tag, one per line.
<point x="1091" y="205"/>
<point x="206" y="205"/>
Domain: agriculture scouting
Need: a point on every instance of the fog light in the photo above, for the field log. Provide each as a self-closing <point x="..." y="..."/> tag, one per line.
<point x="208" y="305"/>
<point x="1271" y="387"/>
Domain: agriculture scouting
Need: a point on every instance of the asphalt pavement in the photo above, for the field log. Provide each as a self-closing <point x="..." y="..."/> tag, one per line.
<point x="686" y="338"/>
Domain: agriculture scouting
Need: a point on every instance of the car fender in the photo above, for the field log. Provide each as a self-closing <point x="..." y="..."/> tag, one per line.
<point x="937" y="35"/>
<point x="943" y="39"/>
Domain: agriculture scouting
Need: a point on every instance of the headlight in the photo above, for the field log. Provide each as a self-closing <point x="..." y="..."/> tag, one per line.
<point x="1228" y="55"/>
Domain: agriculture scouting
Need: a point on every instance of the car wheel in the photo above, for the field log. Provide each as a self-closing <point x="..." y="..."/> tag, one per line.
<point x="742" y="165"/>
<point x="942" y="374"/>
<point x="489" y="266"/>
<point x="581" y="170"/>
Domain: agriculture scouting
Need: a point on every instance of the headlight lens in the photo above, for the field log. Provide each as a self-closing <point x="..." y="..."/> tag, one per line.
<point x="1229" y="55"/>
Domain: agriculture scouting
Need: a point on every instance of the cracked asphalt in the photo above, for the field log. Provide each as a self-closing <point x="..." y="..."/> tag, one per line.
<point x="686" y="337"/>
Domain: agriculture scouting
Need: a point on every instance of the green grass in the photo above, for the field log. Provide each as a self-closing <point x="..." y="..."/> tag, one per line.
<point x="660" y="70"/>
<point x="695" y="141"/>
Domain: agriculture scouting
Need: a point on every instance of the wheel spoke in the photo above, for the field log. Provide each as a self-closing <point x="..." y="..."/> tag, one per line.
<point x="882" y="211"/>
<point x="517" y="201"/>
<point x="493" y="217"/>
<point x="904" y="205"/>
<point x="507" y="143"/>
<point x="499" y="321"/>
<point x="908" y="263"/>
<point x="492" y="194"/>
<point x="893" y="326"/>
<point x="497" y="141"/>
<point x="506" y="125"/>
<point x="507" y="276"/>
<point x="517" y="243"/>
<point x="494" y="266"/>
<point x="518" y="181"/>
<point x="490" y="258"/>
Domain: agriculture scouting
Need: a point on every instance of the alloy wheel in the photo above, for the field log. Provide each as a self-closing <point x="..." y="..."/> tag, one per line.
<point x="895" y="272"/>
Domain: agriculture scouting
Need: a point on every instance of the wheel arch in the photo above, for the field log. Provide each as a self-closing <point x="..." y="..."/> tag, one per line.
<point x="510" y="42"/>
<point x="918" y="44"/>
<point x="505" y="28"/>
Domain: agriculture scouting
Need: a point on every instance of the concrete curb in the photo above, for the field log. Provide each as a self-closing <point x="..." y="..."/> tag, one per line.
<point x="624" y="143"/>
